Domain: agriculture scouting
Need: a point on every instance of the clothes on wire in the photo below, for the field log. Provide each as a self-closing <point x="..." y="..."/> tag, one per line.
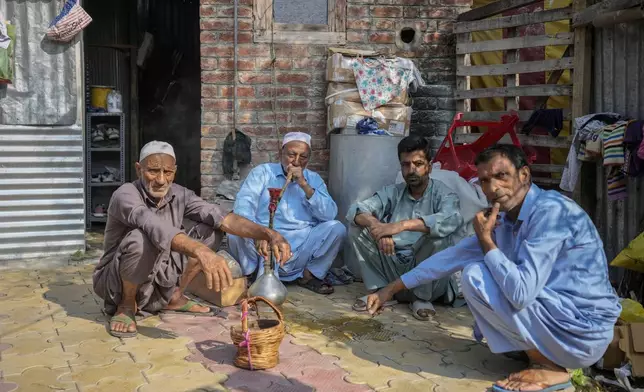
<point x="632" y="142"/>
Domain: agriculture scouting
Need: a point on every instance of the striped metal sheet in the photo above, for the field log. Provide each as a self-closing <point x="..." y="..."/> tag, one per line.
<point x="41" y="191"/>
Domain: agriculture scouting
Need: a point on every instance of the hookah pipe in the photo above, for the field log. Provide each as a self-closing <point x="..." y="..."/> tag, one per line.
<point x="276" y="196"/>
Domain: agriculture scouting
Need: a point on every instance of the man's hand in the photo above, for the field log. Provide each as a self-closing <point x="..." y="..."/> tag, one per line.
<point x="379" y="230"/>
<point x="484" y="224"/>
<point x="297" y="173"/>
<point x="387" y="246"/>
<point x="215" y="269"/>
<point x="376" y="300"/>
<point x="280" y="247"/>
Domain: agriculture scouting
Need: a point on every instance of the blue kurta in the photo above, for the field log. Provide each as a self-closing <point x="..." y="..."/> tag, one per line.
<point x="546" y="287"/>
<point x="307" y="224"/>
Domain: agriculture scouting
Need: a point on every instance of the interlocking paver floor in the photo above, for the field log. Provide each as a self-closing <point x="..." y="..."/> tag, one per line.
<point x="53" y="337"/>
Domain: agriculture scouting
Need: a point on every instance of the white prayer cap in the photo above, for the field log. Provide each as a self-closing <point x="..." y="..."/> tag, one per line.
<point x="156" y="147"/>
<point x="297" y="137"/>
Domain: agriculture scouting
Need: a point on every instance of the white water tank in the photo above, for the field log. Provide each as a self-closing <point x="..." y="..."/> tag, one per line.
<point x="359" y="166"/>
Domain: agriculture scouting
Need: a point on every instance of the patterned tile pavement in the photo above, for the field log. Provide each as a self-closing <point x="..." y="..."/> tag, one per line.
<point x="53" y="337"/>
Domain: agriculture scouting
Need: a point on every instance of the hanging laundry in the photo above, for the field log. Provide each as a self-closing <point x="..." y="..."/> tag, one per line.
<point x="549" y="119"/>
<point x="613" y="140"/>
<point x="616" y="184"/>
<point x="632" y="142"/>
<point x="379" y="80"/>
<point x="7" y="51"/>
<point x="5" y="39"/>
<point x="71" y="20"/>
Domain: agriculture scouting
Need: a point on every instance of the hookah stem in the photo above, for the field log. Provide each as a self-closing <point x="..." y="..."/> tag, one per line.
<point x="268" y="264"/>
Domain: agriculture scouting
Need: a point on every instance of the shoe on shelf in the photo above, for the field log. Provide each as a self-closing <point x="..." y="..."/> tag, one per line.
<point x="99" y="211"/>
<point x="97" y="178"/>
<point x="108" y="177"/>
<point x="112" y="134"/>
<point x="98" y="135"/>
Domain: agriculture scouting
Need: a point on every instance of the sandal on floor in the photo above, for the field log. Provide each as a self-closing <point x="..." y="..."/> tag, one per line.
<point x="566" y="386"/>
<point x="418" y="306"/>
<point x="185" y="309"/>
<point x="126" y="318"/>
<point x="361" y="304"/>
<point x="316" y="285"/>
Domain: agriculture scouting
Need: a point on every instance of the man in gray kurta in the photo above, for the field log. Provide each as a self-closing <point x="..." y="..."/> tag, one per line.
<point x="158" y="237"/>
<point x="403" y="224"/>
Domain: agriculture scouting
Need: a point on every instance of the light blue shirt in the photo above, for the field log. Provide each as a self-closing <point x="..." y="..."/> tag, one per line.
<point x="296" y="215"/>
<point x="552" y="254"/>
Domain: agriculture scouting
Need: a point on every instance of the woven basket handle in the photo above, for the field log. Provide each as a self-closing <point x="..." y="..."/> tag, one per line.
<point x="280" y="317"/>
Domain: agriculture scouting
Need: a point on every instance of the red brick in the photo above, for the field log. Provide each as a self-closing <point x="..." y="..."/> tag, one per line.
<point x="293" y="104"/>
<point x="208" y="37"/>
<point x="216" y="50"/>
<point x="451" y="2"/>
<point x="224" y="24"/>
<point x="268" y="144"/>
<point x="297" y="51"/>
<point x="209" y="91"/>
<point x="319" y="131"/>
<point x="310" y="63"/>
<point x="433" y="38"/>
<point x="317" y="144"/>
<point x="261" y="157"/>
<point x="217" y="77"/>
<point x="210" y="180"/>
<point x="267" y="64"/>
<point x="255" y="50"/>
<point x="208" y="143"/>
<point x="293" y="128"/>
<point x="356" y="37"/>
<point x="206" y="10"/>
<point x="243" y="37"/>
<point x="439" y="13"/>
<point x="272" y="118"/>
<point x="293" y="78"/>
<point x="382" y="38"/>
<point x="254" y="77"/>
<point x="211" y="155"/>
<point x="415" y="2"/>
<point x="445" y="27"/>
<point x="317" y="50"/>
<point x="384" y="24"/>
<point x="242" y="12"/>
<point x="267" y="92"/>
<point x="359" y="24"/>
<point x="258" y="130"/>
<point x="208" y="117"/>
<point x="227" y="2"/>
<point x="440" y="50"/>
<point x="242" y="65"/>
<point x="217" y="104"/>
<point x="255" y="104"/>
<point x="242" y="117"/>
<point x="227" y="91"/>
<point x="215" y="130"/>
<point x="386" y="12"/>
<point x="357" y="11"/>
<point x="208" y="63"/>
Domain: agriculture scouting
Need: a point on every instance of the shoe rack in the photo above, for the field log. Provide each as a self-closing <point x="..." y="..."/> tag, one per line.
<point x="105" y="162"/>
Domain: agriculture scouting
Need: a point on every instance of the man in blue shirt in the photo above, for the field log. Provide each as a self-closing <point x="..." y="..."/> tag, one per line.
<point x="535" y="277"/>
<point x="305" y="217"/>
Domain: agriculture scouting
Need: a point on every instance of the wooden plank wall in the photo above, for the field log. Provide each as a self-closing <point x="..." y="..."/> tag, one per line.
<point x="475" y="20"/>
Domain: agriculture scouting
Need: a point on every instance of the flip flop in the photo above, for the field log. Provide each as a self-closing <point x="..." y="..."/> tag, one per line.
<point x="557" y="387"/>
<point x="363" y="307"/>
<point x="422" y="305"/>
<point x="185" y="309"/>
<point x="125" y="319"/>
<point x="316" y="285"/>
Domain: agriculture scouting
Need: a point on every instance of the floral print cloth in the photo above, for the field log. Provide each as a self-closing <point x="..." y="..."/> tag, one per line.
<point x="380" y="80"/>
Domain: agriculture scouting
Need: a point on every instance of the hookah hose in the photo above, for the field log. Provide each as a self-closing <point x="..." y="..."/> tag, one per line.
<point x="268" y="263"/>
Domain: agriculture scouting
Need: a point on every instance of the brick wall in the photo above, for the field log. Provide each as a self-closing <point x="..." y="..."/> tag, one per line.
<point x="292" y="97"/>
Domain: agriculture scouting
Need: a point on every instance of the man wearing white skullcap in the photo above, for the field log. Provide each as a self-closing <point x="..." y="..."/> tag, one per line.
<point x="150" y="256"/>
<point x="305" y="217"/>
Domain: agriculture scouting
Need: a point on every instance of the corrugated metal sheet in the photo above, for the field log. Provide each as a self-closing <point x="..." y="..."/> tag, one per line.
<point x="43" y="91"/>
<point x="618" y="86"/>
<point x="41" y="166"/>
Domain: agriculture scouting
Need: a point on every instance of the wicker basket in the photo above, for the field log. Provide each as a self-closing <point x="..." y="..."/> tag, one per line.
<point x="258" y="342"/>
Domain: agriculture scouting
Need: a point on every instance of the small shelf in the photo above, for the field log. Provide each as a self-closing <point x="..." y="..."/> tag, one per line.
<point x="105" y="114"/>
<point x="98" y="218"/>
<point x="104" y="184"/>
<point x="105" y="149"/>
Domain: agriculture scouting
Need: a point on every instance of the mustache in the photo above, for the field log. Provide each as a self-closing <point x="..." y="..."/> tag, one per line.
<point x="412" y="177"/>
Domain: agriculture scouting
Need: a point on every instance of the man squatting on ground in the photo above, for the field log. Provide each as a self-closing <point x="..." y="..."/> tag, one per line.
<point x="535" y="277"/>
<point x="149" y="259"/>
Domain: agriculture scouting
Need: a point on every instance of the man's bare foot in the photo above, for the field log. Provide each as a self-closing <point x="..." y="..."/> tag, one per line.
<point x="179" y="301"/>
<point x="123" y="323"/>
<point x="535" y="378"/>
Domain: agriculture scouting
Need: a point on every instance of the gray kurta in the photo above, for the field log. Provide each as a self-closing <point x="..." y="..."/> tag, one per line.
<point x="438" y="208"/>
<point x="138" y="238"/>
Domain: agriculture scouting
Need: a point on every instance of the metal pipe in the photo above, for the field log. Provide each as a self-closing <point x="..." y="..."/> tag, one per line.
<point x="233" y="133"/>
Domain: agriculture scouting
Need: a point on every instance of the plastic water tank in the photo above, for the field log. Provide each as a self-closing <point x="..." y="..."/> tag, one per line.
<point x="359" y="166"/>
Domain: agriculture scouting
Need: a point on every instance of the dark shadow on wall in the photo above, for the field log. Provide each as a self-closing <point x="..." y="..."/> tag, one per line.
<point x="170" y="85"/>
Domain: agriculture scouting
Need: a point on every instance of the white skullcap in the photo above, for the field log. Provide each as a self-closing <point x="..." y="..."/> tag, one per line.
<point x="156" y="147"/>
<point x="297" y="137"/>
